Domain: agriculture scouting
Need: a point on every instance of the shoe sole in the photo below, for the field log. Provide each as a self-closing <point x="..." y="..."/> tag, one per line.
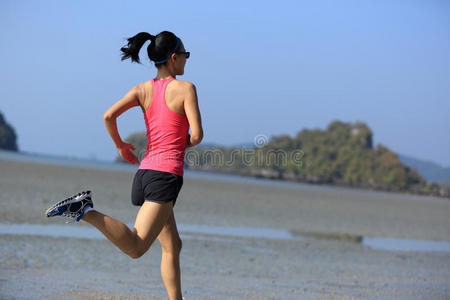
<point x="52" y="211"/>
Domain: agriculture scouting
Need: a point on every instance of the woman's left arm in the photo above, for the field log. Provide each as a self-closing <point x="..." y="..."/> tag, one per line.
<point x="130" y="100"/>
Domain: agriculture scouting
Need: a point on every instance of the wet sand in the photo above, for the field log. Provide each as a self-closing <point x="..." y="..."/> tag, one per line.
<point x="223" y="268"/>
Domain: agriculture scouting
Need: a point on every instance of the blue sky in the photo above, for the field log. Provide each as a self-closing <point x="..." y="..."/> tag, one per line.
<point x="260" y="67"/>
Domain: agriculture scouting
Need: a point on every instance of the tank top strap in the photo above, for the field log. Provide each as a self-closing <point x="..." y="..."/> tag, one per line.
<point x="159" y="90"/>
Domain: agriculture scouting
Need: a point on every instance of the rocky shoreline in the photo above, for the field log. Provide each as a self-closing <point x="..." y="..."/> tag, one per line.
<point x="435" y="191"/>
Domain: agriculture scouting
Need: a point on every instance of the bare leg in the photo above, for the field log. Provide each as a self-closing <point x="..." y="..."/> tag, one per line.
<point x="170" y="259"/>
<point x="149" y="223"/>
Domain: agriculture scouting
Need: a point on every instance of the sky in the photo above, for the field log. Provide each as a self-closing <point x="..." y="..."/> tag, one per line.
<point x="260" y="68"/>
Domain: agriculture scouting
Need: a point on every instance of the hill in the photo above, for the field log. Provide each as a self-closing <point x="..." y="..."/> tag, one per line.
<point x="8" y="138"/>
<point x="430" y="170"/>
<point x="342" y="154"/>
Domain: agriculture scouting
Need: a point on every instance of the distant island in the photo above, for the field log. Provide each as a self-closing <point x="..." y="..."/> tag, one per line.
<point x="341" y="155"/>
<point x="8" y="138"/>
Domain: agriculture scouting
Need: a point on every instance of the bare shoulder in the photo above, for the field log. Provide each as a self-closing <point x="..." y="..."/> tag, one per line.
<point x="184" y="86"/>
<point x="139" y="90"/>
<point x="145" y="88"/>
<point x="145" y="85"/>
<point x="189" y="92"/>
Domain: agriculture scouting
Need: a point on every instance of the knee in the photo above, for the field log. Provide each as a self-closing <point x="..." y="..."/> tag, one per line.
<point x="136" y="253"/>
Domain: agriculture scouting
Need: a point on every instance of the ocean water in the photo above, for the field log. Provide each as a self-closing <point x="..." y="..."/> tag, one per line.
<point x="190" y="231"/>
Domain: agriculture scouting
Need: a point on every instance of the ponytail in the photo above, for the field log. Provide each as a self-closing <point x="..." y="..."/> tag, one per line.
<point x="134" y="46"/>
<point x="159" y="50"/>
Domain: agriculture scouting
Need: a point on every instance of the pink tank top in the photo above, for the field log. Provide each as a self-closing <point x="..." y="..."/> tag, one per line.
<point x="166" y="133"/>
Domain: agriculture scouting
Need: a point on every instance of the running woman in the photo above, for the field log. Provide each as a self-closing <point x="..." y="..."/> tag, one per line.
<point x="170" y="108"/>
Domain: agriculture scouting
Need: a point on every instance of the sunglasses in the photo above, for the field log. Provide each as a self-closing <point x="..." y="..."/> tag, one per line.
<point x="186" y="54"/>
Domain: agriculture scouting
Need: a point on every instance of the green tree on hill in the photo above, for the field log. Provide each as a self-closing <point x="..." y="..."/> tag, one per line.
<point x="341" y="154"/>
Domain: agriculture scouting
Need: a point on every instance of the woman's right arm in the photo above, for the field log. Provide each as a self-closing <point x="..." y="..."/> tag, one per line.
<point x="193" y="115"/>
<point x="130" y="100"/>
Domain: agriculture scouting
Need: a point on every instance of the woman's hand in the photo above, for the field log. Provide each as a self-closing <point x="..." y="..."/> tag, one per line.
<point x="126" y="154"/>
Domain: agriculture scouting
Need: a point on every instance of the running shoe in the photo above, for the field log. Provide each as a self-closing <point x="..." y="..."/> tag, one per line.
<point x="72" y="208"/>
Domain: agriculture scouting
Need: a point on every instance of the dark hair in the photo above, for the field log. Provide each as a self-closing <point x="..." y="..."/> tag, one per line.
<point x="160" y="47"/>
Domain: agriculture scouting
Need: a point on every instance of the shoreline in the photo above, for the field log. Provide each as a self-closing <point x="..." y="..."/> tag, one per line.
<point x="211" y="233"/>
<point x="121" y="166"/>
<point x="230" y="176"/>
<point x="444" y="192"/>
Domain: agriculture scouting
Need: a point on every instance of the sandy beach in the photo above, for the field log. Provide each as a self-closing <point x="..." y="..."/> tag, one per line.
<point x="223" y="267"/>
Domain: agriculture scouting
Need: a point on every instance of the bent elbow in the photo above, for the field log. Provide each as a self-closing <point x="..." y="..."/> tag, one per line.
<point x="107" y="116"/>
<point x="196" y="139"/>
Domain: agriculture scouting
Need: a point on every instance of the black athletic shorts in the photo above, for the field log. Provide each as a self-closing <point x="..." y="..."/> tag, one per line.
<point x="155" y="186"/>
